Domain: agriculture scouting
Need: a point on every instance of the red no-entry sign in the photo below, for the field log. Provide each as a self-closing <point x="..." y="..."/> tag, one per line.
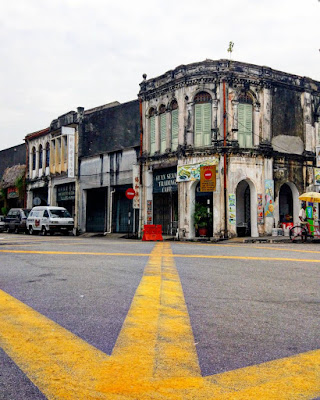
<point x="207" y="174"/>
<point x="130" y="193"/>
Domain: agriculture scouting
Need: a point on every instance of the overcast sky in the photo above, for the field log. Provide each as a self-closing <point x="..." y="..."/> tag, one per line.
<point x="57" y="55"/>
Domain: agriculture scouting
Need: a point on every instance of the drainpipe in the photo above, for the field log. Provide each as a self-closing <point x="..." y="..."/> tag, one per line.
<point x="225" y="160"/>
<point x="140" y="168"/>
<point x="110" y="212"/>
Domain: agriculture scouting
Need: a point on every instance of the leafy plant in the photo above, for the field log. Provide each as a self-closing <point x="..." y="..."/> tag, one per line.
<point x="4" y="211"/>
<point x="20" y="185"/>
<point x="201" y="217"/>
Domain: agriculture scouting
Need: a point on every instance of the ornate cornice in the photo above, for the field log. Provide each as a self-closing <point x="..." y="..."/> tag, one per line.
<point x="234" y="72"/>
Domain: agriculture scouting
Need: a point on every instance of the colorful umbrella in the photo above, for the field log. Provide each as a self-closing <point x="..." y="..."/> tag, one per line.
<point x="311" y="197"/>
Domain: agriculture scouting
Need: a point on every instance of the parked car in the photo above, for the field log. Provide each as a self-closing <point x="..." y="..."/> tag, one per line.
<point x="16" y="220"/>
<point x="49" y="219"/>
<point x="2" y="223"/>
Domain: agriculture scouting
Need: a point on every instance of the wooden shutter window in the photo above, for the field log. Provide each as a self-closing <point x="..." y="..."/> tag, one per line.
<point x="202" y="124"/>
<point x="152" y="135"/>
<point x="198" y="125"/>
<point x="245" y="125"/>
<point x="174" y="129"/>
<point x="206" y="124"/>
<point x="163" y="132"/>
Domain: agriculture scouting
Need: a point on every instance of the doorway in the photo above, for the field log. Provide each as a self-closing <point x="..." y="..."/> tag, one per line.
<point x="243" y="213"/>
<point x="285" y="204"/>
<point x="96" y="210"/>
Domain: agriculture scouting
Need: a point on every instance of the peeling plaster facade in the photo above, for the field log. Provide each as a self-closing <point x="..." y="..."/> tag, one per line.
<point x="284" y="113"/>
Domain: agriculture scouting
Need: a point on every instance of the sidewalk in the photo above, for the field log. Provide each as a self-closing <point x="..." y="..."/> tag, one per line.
<point x="261" y="239"/>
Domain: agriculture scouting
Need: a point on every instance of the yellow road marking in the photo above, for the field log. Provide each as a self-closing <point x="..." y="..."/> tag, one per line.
<point x="154" y="356"/>
<point x="172" y="255"/>
<point x="249" y="247"/>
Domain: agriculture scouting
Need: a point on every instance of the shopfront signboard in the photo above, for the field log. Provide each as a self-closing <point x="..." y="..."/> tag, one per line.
<point x="165" y="180"/>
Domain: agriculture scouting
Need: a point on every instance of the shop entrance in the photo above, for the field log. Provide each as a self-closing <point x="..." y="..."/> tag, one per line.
<point x="66" y="197"/>
<point x="285" y="204"/>
<point x="205" y="199"/>
<point x="122" y="211"/>
<point x="41" y="196"/>
<point x="165" y="199"/>
<point x="243" y="215"/>
<point x="96" y="216"/>
<point x="165" y="211"/>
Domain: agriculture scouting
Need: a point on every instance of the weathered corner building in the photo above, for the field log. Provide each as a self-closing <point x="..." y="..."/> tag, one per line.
<point x="258" y="126"/>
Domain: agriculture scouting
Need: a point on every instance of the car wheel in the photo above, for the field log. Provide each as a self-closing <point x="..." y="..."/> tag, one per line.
<point x="31" y="231"/>
<point x="43" y="231"/>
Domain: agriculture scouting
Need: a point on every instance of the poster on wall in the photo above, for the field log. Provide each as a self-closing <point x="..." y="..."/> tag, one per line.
<point x="191" y="172"/>
<point x="318" y="155"/>
<point x="232" y="209"/>
<point x="207" y="178"/>
<point x="269" y="191"/>
<point x="260" y="209"/>
<point x="136" y="186"/>
<point x="317" y="176"/>
<point x="149" y="212"/>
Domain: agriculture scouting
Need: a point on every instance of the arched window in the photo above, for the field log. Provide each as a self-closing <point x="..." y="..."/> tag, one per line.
<point x="33" y="154"/>
<point x="40" y="156"/>
<point x="152" y="128"/>
<point x="47" y="154"/>
<point x="202" y="124"/>
<point x="163" y="128"/>
<point x="174" y="125"/>
<point x="245" y="126"/>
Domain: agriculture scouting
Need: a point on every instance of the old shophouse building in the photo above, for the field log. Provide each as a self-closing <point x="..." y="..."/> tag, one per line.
<point x="258" y="127"/>
<point x="12" y="177"/>
<point x="108" y="156"/>
<point x="38" y="167"/>
<point x="52" y="159"/>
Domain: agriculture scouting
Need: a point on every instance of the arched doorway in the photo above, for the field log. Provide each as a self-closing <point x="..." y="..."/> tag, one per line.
<point x="285" y="204"/>
<point x="246" y="209"/>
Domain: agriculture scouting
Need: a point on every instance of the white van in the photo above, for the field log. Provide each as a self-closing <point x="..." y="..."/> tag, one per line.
<point x="49" y="219"/>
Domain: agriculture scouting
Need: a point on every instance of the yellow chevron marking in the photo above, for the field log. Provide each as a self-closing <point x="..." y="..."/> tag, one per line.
<point x="154" y="356"/>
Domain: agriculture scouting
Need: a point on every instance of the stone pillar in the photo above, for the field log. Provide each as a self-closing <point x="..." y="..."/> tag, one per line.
<point x="256" y="118"/>
<point x="215" y="118"/>
<point x="266" y="126"/>
<point x="235" y="104"/>
<point x="37" y="161"/>
<point x="190" y="124"/>
<point x="168" y="130"/>
<point x="157" y="133"/>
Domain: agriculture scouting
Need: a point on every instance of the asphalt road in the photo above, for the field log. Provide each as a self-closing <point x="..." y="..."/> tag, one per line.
<point x="246" y="304"/>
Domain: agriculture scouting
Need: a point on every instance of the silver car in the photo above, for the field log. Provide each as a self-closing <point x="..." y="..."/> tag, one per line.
<point x="2" y="223"/>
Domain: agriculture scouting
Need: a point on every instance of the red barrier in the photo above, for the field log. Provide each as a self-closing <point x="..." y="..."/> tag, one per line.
<point x="152" y="232"/>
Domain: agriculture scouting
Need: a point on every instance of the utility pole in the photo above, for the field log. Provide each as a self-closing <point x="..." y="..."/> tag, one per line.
<point x="225" y="159"/>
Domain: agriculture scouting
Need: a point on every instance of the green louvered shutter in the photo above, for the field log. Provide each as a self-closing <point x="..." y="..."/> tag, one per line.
<point x="248" y="124"/>
<point x="198" y="111"/>
<point x="245" y="125"/>
<point x="174" y="129"/>
<point x="152" y="135"/>
<point x="206" y="124"/>
<point x="163" y="132"/>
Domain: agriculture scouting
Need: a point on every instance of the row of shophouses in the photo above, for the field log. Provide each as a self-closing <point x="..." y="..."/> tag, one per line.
<point x="259" y="127"/>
